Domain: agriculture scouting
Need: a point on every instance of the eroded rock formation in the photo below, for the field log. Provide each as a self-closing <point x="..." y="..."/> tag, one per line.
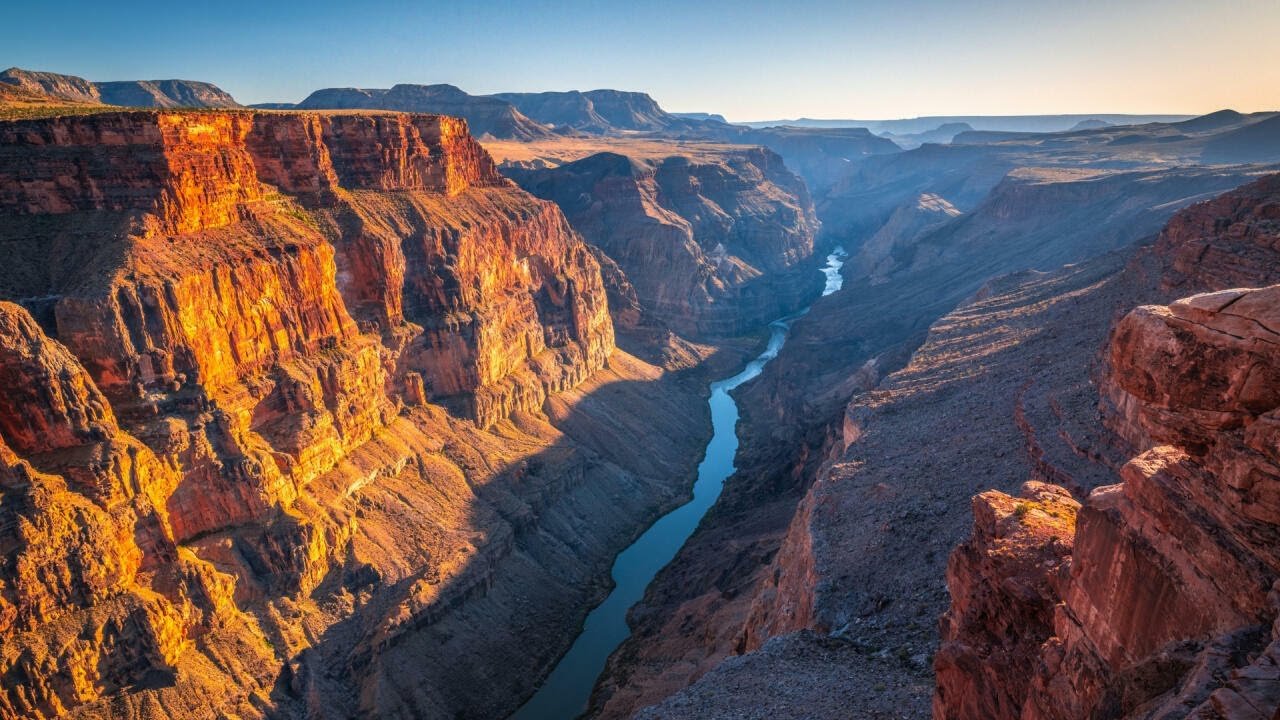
<point x="1165" y="605"/>
<point x="714" y="241"/>
<point x="290" y="402"/>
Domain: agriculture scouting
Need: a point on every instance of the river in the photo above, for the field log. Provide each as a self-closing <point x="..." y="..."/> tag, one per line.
<point x="566" y="691"/>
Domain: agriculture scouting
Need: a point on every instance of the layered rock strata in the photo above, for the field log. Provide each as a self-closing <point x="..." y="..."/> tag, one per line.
<point x="849" y="569"/>
<point x="294" y="402"/>
<point x="715" y="242"/>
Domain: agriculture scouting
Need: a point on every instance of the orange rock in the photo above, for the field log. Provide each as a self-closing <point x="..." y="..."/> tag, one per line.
<point x="1003" y="585"/>
<point x="227" y="312"/>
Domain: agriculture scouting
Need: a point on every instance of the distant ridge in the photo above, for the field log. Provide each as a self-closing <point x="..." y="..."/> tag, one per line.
<point x="1212" y="121"/>
<point x="1007" y="123"/>
<point x="1256" y="142"/>
<point x="486" y="115"/>
<point x="598" y="111"/>
<point x="1091" y="124"/>
<point x="165" y="94"/>
<point x="944" y="133"/>
<point x="714" y="117"/>
<point x="127" y="93"/>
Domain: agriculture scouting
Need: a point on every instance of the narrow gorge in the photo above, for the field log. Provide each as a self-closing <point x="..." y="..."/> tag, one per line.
<point x="567" y="689"/>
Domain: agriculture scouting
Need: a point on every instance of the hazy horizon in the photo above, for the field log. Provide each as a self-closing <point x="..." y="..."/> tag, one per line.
<point x="748" y="61"/>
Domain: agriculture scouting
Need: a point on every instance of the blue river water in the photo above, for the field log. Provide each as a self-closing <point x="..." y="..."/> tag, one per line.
<point x="566" y="691"/>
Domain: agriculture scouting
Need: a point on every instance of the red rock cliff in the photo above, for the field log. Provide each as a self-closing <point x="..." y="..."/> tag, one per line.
<point x="234" y="324"/>
<point x="1169" y="605"/>
<point x="1163" y="599"/>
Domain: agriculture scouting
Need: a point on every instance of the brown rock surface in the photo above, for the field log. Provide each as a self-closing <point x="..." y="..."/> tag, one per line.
<point x="1228" y="242"/>
<point x="859" y="556"/>
<point x="716" y="240"/>
<point x="294" y="405"/>
<point x="1003" y="584"/>
<point x="1181" y="556"/>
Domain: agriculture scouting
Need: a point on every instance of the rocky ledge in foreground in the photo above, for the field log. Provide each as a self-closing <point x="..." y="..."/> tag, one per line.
<point x="1162" y="602"/>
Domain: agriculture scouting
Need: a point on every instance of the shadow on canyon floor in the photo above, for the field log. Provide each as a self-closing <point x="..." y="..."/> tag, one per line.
<point x="623" y="449"/>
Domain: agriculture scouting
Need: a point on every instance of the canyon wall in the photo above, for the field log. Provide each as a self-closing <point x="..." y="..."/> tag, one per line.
<point x="715" y="241"/>
<point x="830" y="544"/>
<point x="293" y="405"/>
<point x="1160" y="599"/>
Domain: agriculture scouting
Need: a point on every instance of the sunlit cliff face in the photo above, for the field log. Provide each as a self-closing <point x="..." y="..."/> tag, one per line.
<point x="244" y="315"/>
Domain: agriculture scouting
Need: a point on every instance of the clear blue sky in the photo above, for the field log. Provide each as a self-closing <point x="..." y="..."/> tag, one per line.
<point x="746" y="59"/>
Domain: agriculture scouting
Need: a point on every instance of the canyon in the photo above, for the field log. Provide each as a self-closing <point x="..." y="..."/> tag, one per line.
<point x="348" y="407"/>
<point x="822" y="563"/>
<point x="298" y="405"/>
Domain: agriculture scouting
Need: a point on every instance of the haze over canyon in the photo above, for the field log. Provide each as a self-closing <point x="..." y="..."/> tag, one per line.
<point x="413" y="402"/>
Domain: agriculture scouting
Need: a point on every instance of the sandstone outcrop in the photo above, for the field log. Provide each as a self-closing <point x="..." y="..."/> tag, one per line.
<point x="1004" y="588"/>
<point x="714" y="241"/>
<point x="1165" y="605"/>
<point x="1169" y="609"/>
<point x="293" y="402"/>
